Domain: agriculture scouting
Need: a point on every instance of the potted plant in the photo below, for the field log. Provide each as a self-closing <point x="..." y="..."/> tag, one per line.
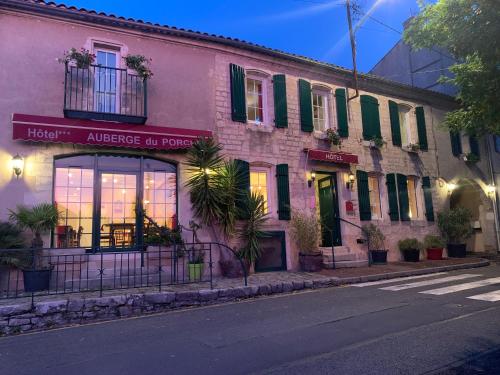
<point x="82" y="59"/>
<point x="12" y="257"/>
<point x="306" y="231"/>
<point x="376" y="245"/>
<point x="410" y="247"/>
<point x="195" y="263"/>
<point x="39" y="219"/>
<point x="471" y="158"/>
<point x="413" y="147"/>
<point x="455" y="226"/>
<point x="333" y="138"/>
<point x="434" y="246"/>
<point x="140" y="64"/>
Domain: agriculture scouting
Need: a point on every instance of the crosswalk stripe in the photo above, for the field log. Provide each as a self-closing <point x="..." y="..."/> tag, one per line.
<point x="490" y="297"/>
<point x="430" y="282"/>
<point x="460" y="287"/>
<point x="370" y="283"/>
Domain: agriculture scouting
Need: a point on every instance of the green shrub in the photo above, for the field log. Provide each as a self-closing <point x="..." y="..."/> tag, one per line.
<point x="11" y="237"/>
<point x="455" y="224"/>
<point x="409" y="244"/>
<point x="431" y="241"/>
<point x="306" y="231"/>
<point x="375" y="237"/>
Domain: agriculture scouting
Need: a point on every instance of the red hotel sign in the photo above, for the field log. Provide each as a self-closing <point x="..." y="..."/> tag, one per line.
<point x="332" y="157"/>
<point x="102" y="133"/>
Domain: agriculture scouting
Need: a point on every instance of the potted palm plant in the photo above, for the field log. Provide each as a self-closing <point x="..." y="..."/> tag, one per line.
<point x="376" y="245"/>
<point x="306" y="231"/>
<point x="39" y="219"/>
<point x="410" y="247"/>
<point x="455" y="226"/>
<point x="434" y="246"/>
<point x="12" y="258"/>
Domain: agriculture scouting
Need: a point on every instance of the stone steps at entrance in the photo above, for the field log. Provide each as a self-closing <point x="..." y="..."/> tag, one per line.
<point x="343" y="257"/>
<point x="346" y="264"/>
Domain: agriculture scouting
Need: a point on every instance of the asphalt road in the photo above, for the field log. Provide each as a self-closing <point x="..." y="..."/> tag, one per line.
<point x="343" y="330"/>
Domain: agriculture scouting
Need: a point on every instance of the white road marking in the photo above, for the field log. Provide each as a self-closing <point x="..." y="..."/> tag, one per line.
<point x="460" y="287"/>
<point x="490" y="297"/>
<point x="429" y="282"/>
<point x="396" y="280"/>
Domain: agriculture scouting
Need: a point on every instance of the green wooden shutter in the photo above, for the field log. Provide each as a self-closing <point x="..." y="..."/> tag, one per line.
<point x="404" y="204"/>
<point x="370" y="117"/>
<point x="306" y="116"/>
<point x="429" y="208"/>
<point x="242" y="202"/>
<point x="474" y="146"/>
<point x="456" y="143"/>
<point x="341" y="104"/>
<point x="365" y="212"/>
<point x="421" y="129"/>
<point x="283" y="192"/>
<point x="392" y="195"/>
<point x="395" y="126"/>
<point x="238" y="105"/>
<point x="280" y="105"/>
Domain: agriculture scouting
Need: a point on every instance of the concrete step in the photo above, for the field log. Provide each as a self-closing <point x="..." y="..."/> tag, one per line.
<point x="340" y="257"/>
<point x="346" y="264"/>
<point x="336" y="249"/>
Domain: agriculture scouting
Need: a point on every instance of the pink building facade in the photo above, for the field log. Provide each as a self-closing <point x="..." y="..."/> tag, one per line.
<point x="99" y="141"/>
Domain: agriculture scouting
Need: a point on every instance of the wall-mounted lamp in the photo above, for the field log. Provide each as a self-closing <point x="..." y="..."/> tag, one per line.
<point x="311" y="179"/>
<point x="490" y="190"/>
<point x="451" y="186"/>
<point x="17" y="165"/>
<point x="350" y="181"/>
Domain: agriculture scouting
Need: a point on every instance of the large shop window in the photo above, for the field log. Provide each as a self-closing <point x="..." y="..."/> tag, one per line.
<point x="98" y="196"/>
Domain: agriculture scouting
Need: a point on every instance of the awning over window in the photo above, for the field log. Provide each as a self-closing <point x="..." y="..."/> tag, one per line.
<point x="332" y="157"/>
<point x="102" y="133"/>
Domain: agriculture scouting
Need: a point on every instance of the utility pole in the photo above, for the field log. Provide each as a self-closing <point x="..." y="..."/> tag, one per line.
<point x="353" y="50"/>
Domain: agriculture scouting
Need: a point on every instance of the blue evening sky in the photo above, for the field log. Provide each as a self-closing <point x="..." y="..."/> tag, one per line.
<point x="313" y="28"/>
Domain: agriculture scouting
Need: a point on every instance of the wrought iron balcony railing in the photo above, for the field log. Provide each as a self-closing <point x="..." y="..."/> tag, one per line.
<point x="104" y="93"/>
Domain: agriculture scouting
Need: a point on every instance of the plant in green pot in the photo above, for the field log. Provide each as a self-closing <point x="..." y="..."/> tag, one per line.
<point x="306" y="231"/>
<point x="195" y="263"/>
<point x="376" y="244"/>
<point x="39" y="219"/>
<point x="410" y="247"/>
<point x="455" y="226"/>
<point x="434" y="247"/>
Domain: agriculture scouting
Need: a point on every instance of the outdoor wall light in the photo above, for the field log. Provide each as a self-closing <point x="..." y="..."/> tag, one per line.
<point x="350" y="181"/>
<point x="17" y="165"/>
<point x="451" y="187"/>
<point x="490" y="190"/>
<point x="311" y="179"/>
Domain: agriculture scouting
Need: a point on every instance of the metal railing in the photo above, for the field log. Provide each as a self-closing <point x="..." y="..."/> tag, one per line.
<point x="104" y="93"/>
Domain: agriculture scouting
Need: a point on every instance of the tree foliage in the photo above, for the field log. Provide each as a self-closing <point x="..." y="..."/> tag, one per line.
<point x="469" y="30"/>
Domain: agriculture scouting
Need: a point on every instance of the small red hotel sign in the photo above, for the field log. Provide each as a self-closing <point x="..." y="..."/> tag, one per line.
<point x="102" y="133"/>
<point x="332" y="157"/>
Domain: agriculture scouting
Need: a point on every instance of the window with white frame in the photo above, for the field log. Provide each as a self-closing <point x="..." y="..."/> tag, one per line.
<point x="404" y="124"/>
<point x="106" y="80"/>
<point x="255" y="99"/>
<point x="374" y="190"/>
<point x="320" y="110"/>
<point x="259" y="184"/>
<point x="412" y="197"/>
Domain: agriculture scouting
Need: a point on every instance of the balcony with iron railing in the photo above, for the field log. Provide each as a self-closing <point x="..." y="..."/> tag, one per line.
<point x="104" y="93"/>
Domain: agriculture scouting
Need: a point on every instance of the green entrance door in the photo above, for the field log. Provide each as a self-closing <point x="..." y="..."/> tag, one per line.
<point x="329" y="211"/>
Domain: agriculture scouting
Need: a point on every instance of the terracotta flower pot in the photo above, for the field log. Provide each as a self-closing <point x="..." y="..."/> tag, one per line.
<point x="435" y="253"/>
<point x="311" y="262"/>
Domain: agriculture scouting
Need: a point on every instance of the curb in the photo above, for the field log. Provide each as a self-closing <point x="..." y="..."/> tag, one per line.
<point x="22" y="317"/>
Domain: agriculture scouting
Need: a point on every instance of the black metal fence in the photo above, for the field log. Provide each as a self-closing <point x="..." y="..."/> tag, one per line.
<point x="104" y="93"/>
<point x="49" y="272"/>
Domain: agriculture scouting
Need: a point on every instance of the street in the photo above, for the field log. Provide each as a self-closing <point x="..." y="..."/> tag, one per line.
<point x="385" y="327"/>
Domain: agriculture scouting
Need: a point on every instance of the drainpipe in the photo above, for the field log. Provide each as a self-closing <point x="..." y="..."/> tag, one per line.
<point x="353" y="50"/>
<point x="495" y="197"/>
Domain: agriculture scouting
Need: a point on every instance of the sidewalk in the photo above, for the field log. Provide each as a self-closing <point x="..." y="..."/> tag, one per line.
<point x="18" y="315"/>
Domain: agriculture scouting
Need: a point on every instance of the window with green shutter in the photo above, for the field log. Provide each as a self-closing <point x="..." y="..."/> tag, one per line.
<point x="242" y="202"/>
<point x="280" y="105"/>
<point x="365" y="212"/>
<point x="421" y="129"/>
<point x="395" y="125"/>
<point x="341" y="104"/>
<point x="238" y="106"/>
<point x="474" y="146"/>
<point x="370" y="117"/>
<point x="305" y="104"/>
<point x="392" y="195"/>
<point x="283" y="192"/>
<point x="456" y="143"/>
<point x="429" y="208"/>
<point x="404" y="204"/>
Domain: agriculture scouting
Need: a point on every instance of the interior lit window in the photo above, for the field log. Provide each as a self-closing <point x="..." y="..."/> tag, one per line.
<point x="404" y="125"/>
<point x="255" y="100"/>
<point x="374" y="189"/>
<point x="320" y="114"/>
<point x="412" y="197"/>
<point x="258" y="184"/>
<point x="73" y="196"/>
<point x="160" y="198"/>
